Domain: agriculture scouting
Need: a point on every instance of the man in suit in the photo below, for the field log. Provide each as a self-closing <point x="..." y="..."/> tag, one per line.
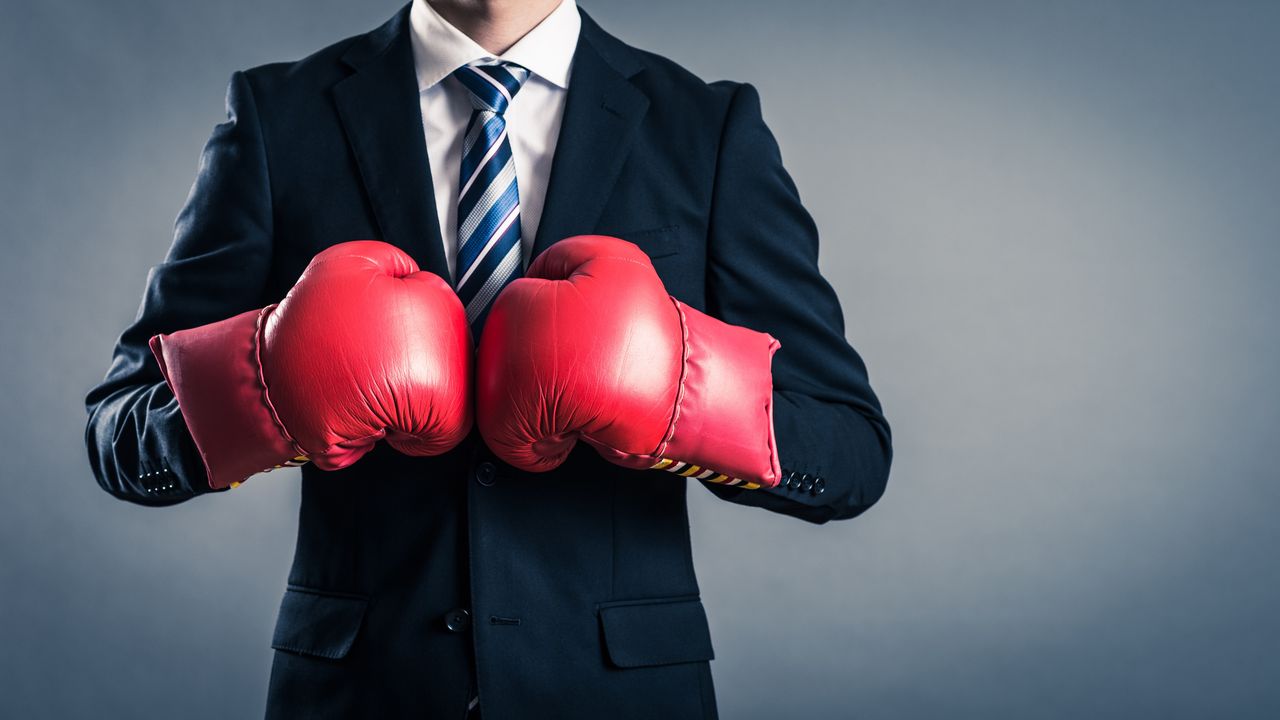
<point x="448" y="584"/>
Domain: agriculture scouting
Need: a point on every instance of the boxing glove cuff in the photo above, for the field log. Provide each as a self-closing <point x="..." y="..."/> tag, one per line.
<point x="215" y="374"/>
<point x="722" y="427"/>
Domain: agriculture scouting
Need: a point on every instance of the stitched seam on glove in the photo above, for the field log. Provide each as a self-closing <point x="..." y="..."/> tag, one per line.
<point x="262" y="380"/>
<point x="773" y="438"/>
<point x="684" y="374"/>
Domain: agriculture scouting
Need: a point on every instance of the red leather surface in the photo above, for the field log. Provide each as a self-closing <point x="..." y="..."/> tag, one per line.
<point x="725" y="415"/>
<point x="213" y="372"/>
<point x="366" y="345"/>
<point x="363" y="347"/>
<point x="590" y="346"/>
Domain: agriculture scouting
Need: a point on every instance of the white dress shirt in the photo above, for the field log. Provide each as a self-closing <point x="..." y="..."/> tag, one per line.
<point x="533" y="118"/>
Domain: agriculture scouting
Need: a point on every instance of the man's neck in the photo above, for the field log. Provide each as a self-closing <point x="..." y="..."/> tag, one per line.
<point x="495" y="25"/>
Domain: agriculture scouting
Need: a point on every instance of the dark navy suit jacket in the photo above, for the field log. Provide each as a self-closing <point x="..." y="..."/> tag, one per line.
<point x="578" y="584"/>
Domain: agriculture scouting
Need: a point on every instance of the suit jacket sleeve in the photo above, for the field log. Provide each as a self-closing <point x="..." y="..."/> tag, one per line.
<point x="138" y="444"/>
<point x="833" y="440"/>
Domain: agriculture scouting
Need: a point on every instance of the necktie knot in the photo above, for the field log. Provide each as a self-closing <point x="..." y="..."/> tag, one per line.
<point x="491" y="86"/>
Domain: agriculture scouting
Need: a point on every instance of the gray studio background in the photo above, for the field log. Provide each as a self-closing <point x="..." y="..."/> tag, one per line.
<point x="1053" y="226"/>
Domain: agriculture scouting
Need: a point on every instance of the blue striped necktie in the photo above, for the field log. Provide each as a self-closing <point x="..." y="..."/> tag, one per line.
<point x="488" y="199"/>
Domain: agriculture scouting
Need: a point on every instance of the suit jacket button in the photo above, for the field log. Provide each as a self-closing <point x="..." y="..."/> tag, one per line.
<point x="819" y="486"/>
<point x="457" y="620"/>
<point x="806" y="484"/>
<point x="486" y="473"/>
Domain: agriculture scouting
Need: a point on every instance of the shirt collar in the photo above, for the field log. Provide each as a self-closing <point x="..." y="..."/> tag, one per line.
<point x="440" y="48"/>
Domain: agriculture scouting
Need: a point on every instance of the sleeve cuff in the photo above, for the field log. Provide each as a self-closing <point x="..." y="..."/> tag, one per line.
<point x="722" y="427"/>
<point x="215" y="374"/>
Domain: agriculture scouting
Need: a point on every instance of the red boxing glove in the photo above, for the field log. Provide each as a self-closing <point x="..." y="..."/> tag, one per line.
<point x="589" y="345"/>
<point x="363" y="347"/>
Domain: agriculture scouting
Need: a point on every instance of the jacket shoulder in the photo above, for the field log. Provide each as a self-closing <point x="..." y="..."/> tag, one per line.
<point x="679" y="80"/>
<point x="299" y="78"/>
<point x="682" y="91"/>
<point x="286" y="92"/>
<point x="319" y="69"/>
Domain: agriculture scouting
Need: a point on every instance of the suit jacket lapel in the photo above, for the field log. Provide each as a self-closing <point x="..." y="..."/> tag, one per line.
<point x="602" y="112"/>
<point x="380" y="111"/>
<point x="382" y="117"/>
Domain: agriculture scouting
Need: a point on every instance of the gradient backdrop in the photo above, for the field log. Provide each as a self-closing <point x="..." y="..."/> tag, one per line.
<point x="1055" y="229"/>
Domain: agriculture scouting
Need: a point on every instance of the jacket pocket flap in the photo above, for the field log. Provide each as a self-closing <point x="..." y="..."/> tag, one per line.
<point x="656" y="632"/>
<point x="319" y="624"/>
